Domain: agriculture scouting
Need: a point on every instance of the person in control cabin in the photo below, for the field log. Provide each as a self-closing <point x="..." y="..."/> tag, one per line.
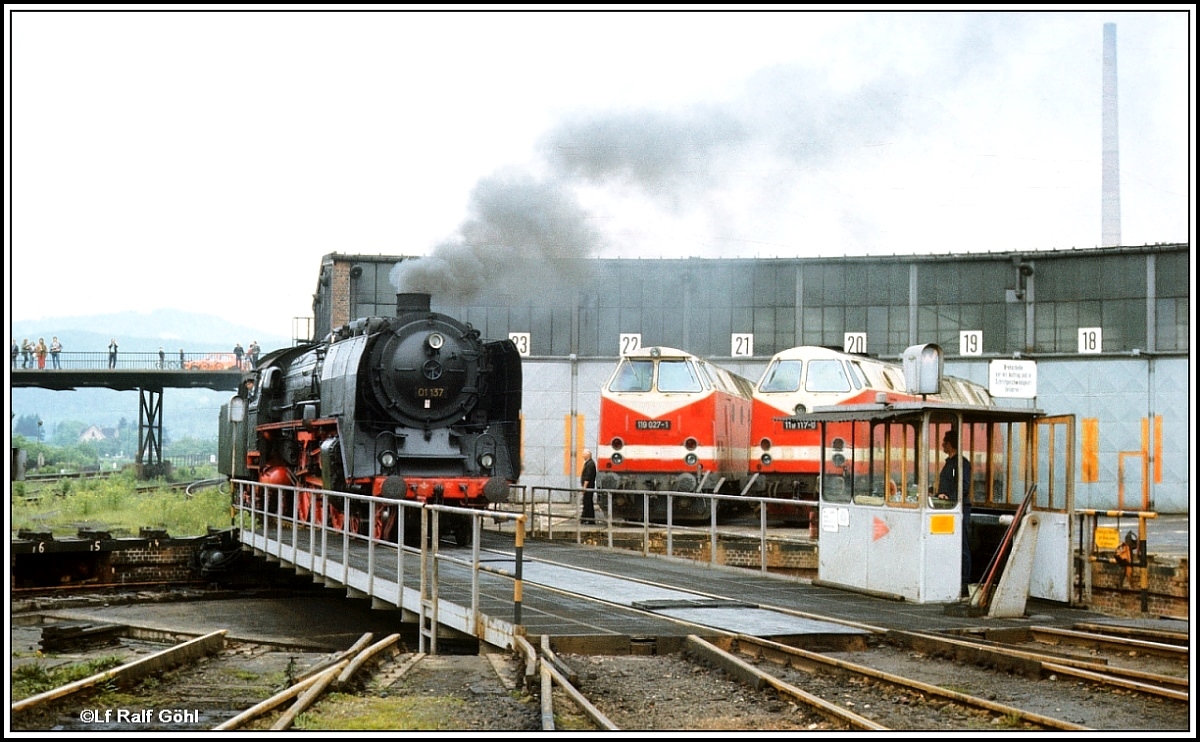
<point x="957" y="469"/>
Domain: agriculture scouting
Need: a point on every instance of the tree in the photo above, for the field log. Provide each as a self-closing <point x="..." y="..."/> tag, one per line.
<point x="67" y="432"/>
<point x="28" y="426"/>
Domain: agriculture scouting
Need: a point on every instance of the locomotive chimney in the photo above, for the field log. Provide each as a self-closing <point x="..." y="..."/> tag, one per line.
<point x="409" y="303"/>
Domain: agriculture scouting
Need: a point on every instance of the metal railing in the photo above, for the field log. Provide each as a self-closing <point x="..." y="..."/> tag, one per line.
<point x="134" y="361"/>
<point x="311" y="539"/>
<point x="556" y="512"/>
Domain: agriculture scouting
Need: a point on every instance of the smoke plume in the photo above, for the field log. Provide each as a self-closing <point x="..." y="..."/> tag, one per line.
<point x="702" y="162"/>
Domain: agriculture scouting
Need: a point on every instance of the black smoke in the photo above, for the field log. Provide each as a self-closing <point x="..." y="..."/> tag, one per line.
<point x="785" y="125"/>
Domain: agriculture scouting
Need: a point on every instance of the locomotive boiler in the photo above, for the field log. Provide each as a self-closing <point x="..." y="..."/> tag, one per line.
<point x="414" y="407"/>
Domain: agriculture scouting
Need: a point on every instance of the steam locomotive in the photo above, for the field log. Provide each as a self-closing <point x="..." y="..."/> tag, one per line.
<point x="414" y="407"/>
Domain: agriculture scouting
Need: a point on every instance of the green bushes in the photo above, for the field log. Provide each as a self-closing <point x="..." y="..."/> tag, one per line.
<point x="115" y="504"/>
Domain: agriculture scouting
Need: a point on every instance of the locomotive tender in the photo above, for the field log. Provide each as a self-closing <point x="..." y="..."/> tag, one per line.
<point x="414" y="407"/>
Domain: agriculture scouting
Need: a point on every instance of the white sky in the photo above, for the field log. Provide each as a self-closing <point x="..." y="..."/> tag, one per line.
<point x="206" y="161"/>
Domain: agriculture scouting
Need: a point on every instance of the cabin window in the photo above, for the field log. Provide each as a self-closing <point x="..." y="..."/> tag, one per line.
<point x="857" y="375"/>
<point x="826" y="376"/>
<point x="782" y="376"/>
<point x="677" y="376"/>
<point x="632" y="376"/>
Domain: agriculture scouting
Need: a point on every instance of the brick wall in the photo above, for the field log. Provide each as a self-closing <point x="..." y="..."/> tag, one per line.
<point x="168" y="561"/>
<point x="339" y="295"/>
<point x="1118" y="591"/>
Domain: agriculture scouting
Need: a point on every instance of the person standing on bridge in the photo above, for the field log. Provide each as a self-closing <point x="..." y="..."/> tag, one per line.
<point x="112" y="353"/>
<point x="238" y="353"/>
<point x="40" y="352"/>
<point x="252" y="355"/>
<point x="15" y="350"/>
<point x="162" y="357"/>
<point x="26" y="353"/>
<point x="587" y="480"/>
<point x="55" y="349"/>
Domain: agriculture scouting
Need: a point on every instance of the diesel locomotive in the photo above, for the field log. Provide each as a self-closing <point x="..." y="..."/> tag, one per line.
<point x="670" y="421"/>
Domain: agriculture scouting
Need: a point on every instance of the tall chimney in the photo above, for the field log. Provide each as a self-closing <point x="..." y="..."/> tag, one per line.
<point x="1110" y="176"/>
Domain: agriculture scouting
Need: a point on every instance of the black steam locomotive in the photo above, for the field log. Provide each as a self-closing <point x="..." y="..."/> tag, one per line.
<point x="413" y="407"/>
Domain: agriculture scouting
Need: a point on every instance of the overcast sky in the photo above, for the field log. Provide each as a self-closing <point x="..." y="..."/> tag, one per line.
<point x="206" y="161"/>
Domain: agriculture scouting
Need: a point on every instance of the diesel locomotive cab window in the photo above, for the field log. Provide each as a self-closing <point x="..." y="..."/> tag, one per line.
<point x="857" y="375"/>
<point x="633" y="376"/>
<point x="677" y="376"/>
<point x="826" y="376"/>
<point x="783" y="376"/>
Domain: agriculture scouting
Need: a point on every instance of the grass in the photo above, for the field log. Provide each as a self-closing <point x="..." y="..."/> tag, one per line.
<point x="395" y="713"/>
<point x="117" y="506"/>
<point x="34" y="678"/>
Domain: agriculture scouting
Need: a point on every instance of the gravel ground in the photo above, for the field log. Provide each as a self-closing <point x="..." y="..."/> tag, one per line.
<point x="470" y="692"/>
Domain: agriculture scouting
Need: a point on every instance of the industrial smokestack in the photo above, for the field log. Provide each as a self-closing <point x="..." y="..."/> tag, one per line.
<point x="1110" y="176"/>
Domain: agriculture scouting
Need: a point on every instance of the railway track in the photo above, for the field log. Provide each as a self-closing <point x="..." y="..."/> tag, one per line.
<point x="735" y="682"/>
<point x="889" y="687"/>
<point x="1011" y="678"/>
<point x="155" y="684"/>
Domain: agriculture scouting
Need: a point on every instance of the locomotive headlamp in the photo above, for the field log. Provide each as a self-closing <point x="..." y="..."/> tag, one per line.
<point x="838" y="460"/>
<point x="690" y="444"/>
<point x="690" y="459"/>
<point x="487" y="460"/>
<point x="436" y="340"/>
<point x="766" y="459"/>
<point x="765" y="444"/>
<point x="387" y="459"/>
<point x="617" y="458"/>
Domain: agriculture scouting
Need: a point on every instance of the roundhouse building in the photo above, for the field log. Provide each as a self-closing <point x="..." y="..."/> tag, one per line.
<point x="1106" y="332"/>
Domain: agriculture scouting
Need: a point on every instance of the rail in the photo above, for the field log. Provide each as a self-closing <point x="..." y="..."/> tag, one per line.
<point x="321" y="543"/>
<point x="154" y="664"/>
